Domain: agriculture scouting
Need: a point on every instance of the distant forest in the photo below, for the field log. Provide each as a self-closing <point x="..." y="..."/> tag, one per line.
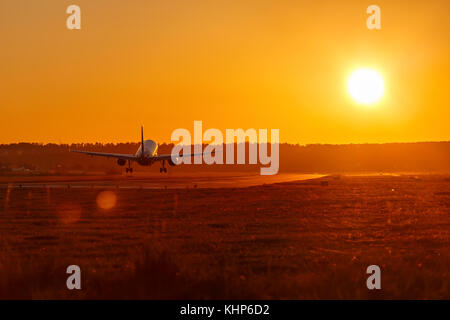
<point x="33" y="158"/>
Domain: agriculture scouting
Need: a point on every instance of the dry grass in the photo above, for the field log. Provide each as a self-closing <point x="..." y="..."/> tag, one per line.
<point x="285" y="241"/>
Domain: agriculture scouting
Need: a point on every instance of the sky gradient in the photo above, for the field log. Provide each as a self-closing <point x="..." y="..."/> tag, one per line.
<point x="232" y="64"/>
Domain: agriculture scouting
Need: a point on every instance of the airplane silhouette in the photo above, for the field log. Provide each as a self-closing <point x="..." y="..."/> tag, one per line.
<point x="146" y="155"/>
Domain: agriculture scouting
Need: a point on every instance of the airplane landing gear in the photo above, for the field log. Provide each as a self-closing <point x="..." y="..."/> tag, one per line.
<point x="129" y="169"/>
<point x="163" y="168"/>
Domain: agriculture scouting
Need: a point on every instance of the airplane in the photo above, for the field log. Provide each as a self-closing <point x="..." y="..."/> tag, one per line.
<point x="146" y="155"/>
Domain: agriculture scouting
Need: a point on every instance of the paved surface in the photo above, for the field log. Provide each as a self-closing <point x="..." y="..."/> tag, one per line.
<point x="152" y="181"/>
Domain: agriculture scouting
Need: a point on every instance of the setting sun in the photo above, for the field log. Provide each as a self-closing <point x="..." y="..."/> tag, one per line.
<point x="366" y="86"/>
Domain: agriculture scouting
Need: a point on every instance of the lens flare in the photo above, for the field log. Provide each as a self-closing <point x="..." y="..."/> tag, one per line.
<point x="106" y="200"/>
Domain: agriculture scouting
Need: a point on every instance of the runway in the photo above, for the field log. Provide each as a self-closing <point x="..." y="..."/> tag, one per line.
<point x="147" y="181"/>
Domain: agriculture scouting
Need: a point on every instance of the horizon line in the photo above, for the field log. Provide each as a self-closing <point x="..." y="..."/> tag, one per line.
<point x="279" y="143"/>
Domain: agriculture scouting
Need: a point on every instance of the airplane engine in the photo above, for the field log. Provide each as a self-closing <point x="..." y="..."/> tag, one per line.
<point x="121" y="162"/>
<point x="171" y="163"/>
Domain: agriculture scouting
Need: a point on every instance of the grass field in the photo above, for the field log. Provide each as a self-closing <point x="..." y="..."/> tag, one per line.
<point x="298" y="240"/>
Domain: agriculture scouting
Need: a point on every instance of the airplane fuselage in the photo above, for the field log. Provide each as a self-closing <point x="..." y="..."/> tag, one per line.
<point x="150" y="149"/>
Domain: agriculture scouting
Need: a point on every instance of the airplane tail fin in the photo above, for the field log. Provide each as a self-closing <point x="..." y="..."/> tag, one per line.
<point x="142" y="139"/>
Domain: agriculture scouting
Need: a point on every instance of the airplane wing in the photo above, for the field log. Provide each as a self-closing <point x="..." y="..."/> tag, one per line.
<point x="169" y="156"/>
<point x="107" y="155"/>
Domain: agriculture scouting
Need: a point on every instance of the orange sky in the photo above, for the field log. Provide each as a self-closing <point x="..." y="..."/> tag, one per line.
<point x="230" y="63"/>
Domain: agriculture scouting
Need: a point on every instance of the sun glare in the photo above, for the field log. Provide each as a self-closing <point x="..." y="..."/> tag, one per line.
<point x="366" y="86"/>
